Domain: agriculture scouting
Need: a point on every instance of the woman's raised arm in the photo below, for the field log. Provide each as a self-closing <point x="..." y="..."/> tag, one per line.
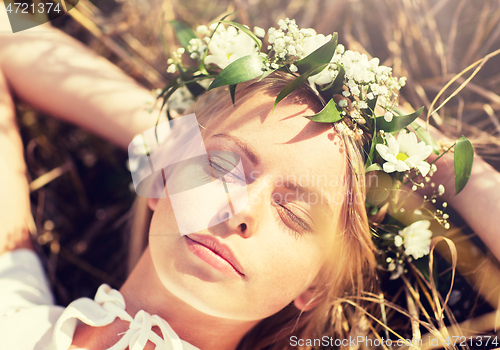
<point x="479" y="201"/>
<point x="60" y="76"/>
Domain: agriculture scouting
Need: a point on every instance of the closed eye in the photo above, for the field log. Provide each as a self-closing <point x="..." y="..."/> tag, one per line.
<point x="221" y="167"/>
<point x="292" y="221"/>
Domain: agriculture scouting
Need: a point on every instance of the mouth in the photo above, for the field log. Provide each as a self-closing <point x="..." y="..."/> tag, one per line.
<point x="215" y="253"/>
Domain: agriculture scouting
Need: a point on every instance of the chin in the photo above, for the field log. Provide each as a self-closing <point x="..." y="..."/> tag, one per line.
<point x="217" y="299"/>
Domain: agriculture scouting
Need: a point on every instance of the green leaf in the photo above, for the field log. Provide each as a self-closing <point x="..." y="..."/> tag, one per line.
<point x="423" y="135"/>
<point x="398" y="122"/>
<point x="329" y="114"/>
<point x="168" y="94"/>
<point x="294" y="84"/>
<point x="373" y="167"/>
<point x="246" y="31"/>
<point x="183" y="32"/>
<point x="338" y="83"/>
<point x="232" y="91"/>
<point x="463" y="159"/>
<point x="243" y="69"/>
<point x="320" y="56"/>
<point x="374" y="141"/>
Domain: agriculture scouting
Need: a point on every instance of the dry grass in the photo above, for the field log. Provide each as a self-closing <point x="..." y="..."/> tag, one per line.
<point x="430" y="42"/>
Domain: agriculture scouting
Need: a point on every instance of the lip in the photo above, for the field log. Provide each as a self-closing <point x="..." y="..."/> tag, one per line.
<point x="215" y="253"/>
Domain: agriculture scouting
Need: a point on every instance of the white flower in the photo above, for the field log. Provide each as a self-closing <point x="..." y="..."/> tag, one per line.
<point x="326" y="76"/>
<point x="398" y="241"/>
<point x="417" y="238"/>
<point x="171" y="69"/>
<point x="404" y="153"/>
<point x="363" y="76"/>
<point x="258" y="31"/>
<point x="227" y="45"/>
<point x="197" y="48"/>
<point x="388" y="116"/>
<point x="440" y="190"/>
<point x="362" y="105"/>
<point x="203" y="30"/>
<point x="343" y="103"/>
<point x="315" y="42"/>
<point x="290" y="43"/>
<point x="293" y="68"/>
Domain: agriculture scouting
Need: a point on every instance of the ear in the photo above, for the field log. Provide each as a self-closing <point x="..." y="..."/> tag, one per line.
<point x="152" y="202"/>
<point x="305" y="301"/>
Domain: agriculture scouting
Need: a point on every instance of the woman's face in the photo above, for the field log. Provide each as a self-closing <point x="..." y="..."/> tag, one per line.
<point x="294" y="173"/>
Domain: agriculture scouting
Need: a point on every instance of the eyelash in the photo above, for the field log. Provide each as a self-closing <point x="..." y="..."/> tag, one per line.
<point x="304" y="227"/>
<point x="218" y="167"/>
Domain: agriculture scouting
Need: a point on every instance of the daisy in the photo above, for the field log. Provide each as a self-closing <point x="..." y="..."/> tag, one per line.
<point x="404" y="153"/>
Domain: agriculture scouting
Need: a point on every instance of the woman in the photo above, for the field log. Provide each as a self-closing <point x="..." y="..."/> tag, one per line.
<point x="278" y="244"/>
<point x="281" y="252"/>
<point x="278" y="267"/>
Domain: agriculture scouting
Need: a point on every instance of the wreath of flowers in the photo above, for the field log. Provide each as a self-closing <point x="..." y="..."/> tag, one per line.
<point x="356" y="87"/>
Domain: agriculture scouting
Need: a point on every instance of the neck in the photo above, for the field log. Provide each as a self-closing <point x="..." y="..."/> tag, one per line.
<point x="144" y="291"/>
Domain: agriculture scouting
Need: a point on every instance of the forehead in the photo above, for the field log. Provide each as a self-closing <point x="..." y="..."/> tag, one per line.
<point x="288" y="144"/>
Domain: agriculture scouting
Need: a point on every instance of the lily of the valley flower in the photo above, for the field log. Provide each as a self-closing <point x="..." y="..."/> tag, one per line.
<point x="404" y="153"/>
<point x="417" y="238"/>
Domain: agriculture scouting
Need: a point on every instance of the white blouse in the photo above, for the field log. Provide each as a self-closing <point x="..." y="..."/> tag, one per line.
<point x="30" y="320"/>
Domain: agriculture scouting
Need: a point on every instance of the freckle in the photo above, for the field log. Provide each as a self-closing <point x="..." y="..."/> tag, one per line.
<point x="331" y="136"/>
<point x="341" y="150"/>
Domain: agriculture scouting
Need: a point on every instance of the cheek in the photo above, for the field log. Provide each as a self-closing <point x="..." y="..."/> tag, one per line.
<point x="285" y="269"/>
<point x="163" y="233"/>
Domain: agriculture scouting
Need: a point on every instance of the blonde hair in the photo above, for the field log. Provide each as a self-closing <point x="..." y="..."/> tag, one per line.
<point x="345" y="276"/>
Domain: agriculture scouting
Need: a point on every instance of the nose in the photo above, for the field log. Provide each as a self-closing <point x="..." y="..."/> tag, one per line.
<point x="242" y="223"/>
<point x="246" y="221"/>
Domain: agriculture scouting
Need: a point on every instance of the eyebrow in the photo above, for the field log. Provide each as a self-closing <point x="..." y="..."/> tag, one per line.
<point x="324" y="203"/>
<point x="254" y="158"/>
